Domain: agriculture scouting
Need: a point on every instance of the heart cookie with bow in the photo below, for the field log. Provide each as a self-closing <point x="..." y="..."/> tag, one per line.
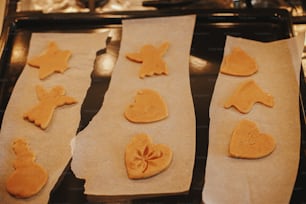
<point x="144" y="159"/>
<point x="248" y="143"/>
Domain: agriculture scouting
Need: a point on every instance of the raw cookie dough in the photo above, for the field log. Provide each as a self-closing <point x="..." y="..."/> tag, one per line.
<point x="238" y="63"/>
<point x="246" y="95"/>
<point x="151" y="59"/>
<point x="29" y="177"/>
<point x="42" y="113"/>
<point x="148" y="107"/>
<point x="52" y="60"/>
<point x="248" y="143"/>
<point x="144" y="159"/>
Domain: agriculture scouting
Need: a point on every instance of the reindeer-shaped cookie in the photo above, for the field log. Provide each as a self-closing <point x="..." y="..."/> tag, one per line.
<point x="42" y="113"/>
<point x="151" y="59"/>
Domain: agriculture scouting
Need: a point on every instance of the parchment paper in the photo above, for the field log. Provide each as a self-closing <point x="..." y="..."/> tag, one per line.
<point x="51" y="146"/>
<point x="98" y="155"/>
<point x="270" y="179"/>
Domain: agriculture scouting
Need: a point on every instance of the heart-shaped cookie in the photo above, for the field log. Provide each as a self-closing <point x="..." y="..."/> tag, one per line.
<point x="248" y="143"/>
<point x="144" y="159"/>
<point x="148" y="107"/>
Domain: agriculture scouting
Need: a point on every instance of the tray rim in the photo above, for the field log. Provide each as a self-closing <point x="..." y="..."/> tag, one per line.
<point x="117" y="17"/>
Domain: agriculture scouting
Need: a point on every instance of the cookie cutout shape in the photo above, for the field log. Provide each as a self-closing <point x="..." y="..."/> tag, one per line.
<point x="246" y="95"/>
<point x="42" y="113"/>
<point x="28" y="177"/>
<point x="52" y="60"/>
<point x="151" y="59"/>
<point x="248" y="143"/>
<point x="238" y="63"/>
<point x="144" y="159"/>
<point x="148" y="107"/>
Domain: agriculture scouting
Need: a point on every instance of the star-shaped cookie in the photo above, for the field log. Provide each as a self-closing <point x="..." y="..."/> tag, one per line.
<point x="52" y="60"/>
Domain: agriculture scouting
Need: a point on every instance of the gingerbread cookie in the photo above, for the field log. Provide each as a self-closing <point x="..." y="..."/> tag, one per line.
<point x="246" y="95"/>
<point x="248" y="143"/>
<point x="52" y="60"/>
<point x="148" y="107"/>
<point x="42" y="113"/>
<point x="144" y="159"/>
<point x="238" y="63"/>
<point x="29" y="177"/>
<point x="151" y="59"/>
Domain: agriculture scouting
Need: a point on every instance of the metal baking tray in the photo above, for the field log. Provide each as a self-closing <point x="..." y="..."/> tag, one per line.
<point x="212" y="27"/>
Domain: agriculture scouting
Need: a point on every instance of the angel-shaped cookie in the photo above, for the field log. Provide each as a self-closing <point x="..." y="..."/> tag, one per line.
<point x="52" y="60"/>
<point x="151" y="59"/>
<point x="42" y="113"/>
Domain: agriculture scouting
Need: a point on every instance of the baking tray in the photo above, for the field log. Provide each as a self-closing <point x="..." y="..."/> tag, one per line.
<point x="212" y="27"/>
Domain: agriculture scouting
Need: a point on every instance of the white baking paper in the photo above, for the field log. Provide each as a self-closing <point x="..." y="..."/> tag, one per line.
<point x="98" y="155"/>
<point x="51" y="146"/>
<point x="269" y="179"/>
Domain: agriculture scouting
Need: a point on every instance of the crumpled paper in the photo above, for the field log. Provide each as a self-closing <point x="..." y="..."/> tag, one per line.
<point x="269" y="179"/>
<point x="51" y="146"/>
<point x="98" y="155"/>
